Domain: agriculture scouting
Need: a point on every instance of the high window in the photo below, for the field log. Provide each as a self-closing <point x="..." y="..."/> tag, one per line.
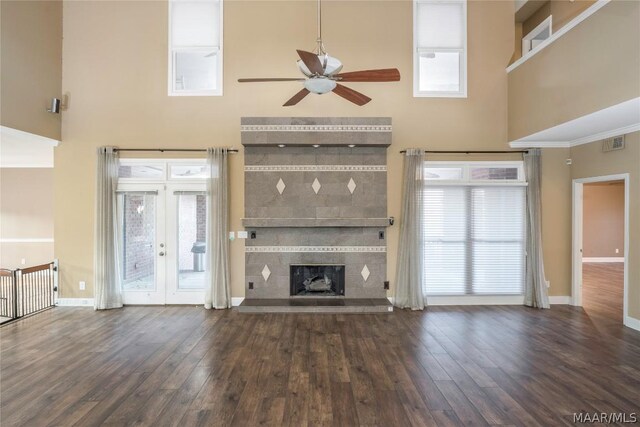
<point x="195" y="47"/>
<point x="474" y="228"/>
<point x="440" y="48"/>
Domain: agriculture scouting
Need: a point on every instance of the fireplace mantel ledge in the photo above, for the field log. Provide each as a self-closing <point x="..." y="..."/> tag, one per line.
<point x="314" y="222"/>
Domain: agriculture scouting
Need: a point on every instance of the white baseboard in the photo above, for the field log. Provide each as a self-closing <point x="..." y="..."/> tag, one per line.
<point x="560" y="300"/>
<point x="603" y="259"/>
<point x="236" y="301"/>
<point x="75" y="302"/>
<point x="632" y="323"/>
<point x="489" y="300"/>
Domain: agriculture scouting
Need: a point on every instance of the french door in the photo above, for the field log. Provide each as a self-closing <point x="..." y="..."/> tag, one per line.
<point x="161" y="232"/>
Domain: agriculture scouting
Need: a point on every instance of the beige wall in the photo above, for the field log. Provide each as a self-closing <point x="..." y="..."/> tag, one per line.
<point x="30" y="65"/>
<point x="603" y="220"/>
<point x="590" y="161"/>
<point x="593" y="66"/>
<point x="117" y="80"/>
<point x="26" y="212"/>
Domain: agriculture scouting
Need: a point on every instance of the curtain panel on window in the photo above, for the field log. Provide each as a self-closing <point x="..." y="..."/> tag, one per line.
<point x="218" y="285"/>
<point x="106" y="265"/>
<point x="535" y="289"/>
<point x="409" y="270"/>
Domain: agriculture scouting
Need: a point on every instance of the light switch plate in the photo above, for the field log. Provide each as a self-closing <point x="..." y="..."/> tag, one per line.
<point x="83" y="285"/>
<point x="243" y="234"/>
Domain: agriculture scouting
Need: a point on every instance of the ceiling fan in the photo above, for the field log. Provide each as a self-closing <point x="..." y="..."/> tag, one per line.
<point x="322" y="74"/>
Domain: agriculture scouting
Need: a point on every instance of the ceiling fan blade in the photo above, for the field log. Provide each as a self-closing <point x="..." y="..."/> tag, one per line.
<point x="296" y="98"/>
<point x="276" y="79"/>
<point x="382" y="75"/>
<point x="351" y="95"/>
<point x="311" y="61"/>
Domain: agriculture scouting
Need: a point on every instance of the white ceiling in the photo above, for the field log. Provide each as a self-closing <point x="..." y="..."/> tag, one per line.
<point x="20" y="149"/>
<point x="612" y="121"/>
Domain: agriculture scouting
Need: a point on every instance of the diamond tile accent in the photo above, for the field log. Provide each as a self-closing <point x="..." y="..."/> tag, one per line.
<point x="351" y="185"/>
<point x="280" y="186"/>
<point x="316" y="185"/>
<point x="266" y="272"/>
<point x="365" y="272"/>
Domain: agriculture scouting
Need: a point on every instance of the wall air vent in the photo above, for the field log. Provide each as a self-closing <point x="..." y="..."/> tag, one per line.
<point x="612" y="144"/>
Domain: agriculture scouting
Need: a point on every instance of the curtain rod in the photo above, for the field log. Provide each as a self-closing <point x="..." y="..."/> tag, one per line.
<point x="162" y="150"/>
<point x="473" y="152"/>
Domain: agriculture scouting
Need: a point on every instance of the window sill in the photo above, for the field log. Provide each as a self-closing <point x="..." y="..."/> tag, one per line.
<point x="475" y="299"/>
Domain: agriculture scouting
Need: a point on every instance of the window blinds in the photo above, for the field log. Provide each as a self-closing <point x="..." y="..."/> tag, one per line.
<point x="474" y="239"/>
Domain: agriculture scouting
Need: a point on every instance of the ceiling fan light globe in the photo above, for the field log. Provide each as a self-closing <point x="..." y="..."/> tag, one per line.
<point x="319" y="85"/>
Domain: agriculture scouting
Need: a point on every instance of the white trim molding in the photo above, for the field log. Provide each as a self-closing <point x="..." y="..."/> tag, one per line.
<point x="74" y="302"/>
<point x="619" y="119"/>
<point x="632" y="323"/>
<point x="577" y="237"/>
<point x="561" y="32"/>
<point x="20" y="240"/>
<point x="475" y="300"/>
<point x="603" y="259"/>
<point x="236" y="301"/>
<point x="488" y="300"/>
<point x="560" y="299"/>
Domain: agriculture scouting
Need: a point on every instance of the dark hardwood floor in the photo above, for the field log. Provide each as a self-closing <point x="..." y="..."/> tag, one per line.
<point x="187" y="366"/>
<point x="603" y="291"/>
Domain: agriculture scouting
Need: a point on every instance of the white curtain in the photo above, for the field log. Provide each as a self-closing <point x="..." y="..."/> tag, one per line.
<point x="106" y="267"/>
<point x="409" y="291"/>
<point x="535" y="288"/>
<point x="218" y="288"/>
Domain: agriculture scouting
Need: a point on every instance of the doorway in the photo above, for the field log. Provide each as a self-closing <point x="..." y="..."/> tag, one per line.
<point x="162" y="233"/>
<point x="600" y="247"/>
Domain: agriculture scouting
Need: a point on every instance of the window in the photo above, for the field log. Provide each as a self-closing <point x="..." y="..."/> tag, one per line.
<point x="440" y="48"/>
<point x="159" y="170"/>
<point x="474" y="229"/>
<point x="537" y="36"/>
<point x="195" y="47"/>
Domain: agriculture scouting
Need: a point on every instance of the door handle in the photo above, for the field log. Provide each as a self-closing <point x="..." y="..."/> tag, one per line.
<point x="161" y="254"/>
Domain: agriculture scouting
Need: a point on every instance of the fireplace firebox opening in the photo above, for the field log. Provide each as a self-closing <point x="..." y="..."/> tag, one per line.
<point x="317" y="280"/>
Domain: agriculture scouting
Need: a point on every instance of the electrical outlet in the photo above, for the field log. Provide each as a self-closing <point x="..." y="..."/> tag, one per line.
<point x="386" y="284"/>
<point x="253" y="234"/>
<point x="617" y="251"/>
<point x="232" y="235"/>
<point x="381" y="235"/>
<point x="24" y="261"/>
<point x="250" y="285"/>
<point x="83" y="285"/>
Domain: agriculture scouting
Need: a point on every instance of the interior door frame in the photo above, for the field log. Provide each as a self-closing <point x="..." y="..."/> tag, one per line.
<point x="160" y="264"/>
<point x="576" y="268"/>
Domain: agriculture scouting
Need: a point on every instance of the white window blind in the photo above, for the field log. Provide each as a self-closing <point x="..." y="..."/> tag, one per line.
<point x="195" y="47"/>
<point x="440" y="42"/>
<point x="474" y="238"/>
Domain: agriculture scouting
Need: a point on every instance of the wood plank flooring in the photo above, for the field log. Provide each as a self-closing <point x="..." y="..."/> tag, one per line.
<point x="186" y="366"/>
<point x="603" y="290"/>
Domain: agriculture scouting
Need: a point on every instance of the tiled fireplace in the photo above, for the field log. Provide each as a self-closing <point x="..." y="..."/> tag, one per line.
<point x="316" y="207"/>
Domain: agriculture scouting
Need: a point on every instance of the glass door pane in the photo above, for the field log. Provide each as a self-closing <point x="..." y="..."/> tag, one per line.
<point x="192" y="228"/>
<point x="142" y="249"/>
<point x="138" y="241"/>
